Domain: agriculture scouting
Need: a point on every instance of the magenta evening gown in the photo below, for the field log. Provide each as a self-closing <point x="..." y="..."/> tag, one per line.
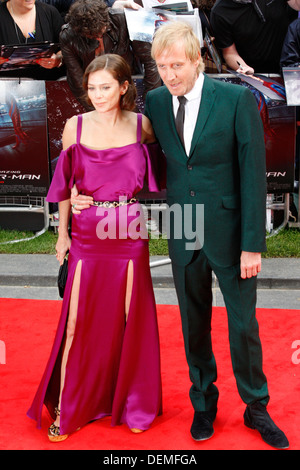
<point x="113" y="367"/>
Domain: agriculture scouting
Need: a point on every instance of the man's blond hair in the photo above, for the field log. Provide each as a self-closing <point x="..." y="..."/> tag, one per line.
<point x="173" y="32"/>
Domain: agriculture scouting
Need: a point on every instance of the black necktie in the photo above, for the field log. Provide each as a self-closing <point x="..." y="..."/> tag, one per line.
<point x="179" y="121"/>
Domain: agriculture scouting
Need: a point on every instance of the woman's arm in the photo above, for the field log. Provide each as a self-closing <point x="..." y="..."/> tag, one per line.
<point x="148" y="135"/>
<point x="64" y="242"/>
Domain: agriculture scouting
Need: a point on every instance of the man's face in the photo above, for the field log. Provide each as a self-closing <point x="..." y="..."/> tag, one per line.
<point x="178" y="73"/>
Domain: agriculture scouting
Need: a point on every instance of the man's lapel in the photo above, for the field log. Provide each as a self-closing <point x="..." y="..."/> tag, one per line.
<point x="207" y="100"/>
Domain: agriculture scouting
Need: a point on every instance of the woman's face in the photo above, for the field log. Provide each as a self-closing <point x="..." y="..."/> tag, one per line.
<point x="104" y="91"/>
<point x="25" y="5"/>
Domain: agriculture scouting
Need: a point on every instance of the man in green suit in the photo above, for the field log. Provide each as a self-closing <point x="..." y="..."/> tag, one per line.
<point x="219" y="162"/>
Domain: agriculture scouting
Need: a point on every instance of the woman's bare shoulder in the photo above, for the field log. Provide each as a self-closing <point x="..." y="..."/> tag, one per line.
<point x="69" y="132"/>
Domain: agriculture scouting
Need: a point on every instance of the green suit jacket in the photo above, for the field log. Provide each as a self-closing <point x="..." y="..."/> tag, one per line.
<point x="225" y="172"/>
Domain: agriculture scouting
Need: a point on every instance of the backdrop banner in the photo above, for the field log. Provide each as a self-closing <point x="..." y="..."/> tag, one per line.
<point x="279" y="121"/>
<point x="31" y="112"/>
<point x="24" y="159"/>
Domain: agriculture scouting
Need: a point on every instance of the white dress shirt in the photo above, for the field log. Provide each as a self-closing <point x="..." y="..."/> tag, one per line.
<point x="191" y="111"/>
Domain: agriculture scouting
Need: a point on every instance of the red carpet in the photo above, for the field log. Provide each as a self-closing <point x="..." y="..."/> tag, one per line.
<point x="27" y="329"/>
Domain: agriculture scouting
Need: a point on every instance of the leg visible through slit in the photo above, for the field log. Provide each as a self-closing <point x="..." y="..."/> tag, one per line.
<point x="129" y="285"/>
<point x="71" y="324"/>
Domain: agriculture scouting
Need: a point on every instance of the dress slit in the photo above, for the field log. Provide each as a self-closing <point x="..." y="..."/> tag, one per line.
<point x="52" y="379"/>
<point x="130" y="272"/>
<point x="64" y="365"/>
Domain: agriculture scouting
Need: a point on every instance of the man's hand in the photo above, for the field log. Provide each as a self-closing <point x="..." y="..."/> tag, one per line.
<point x="250" y="264"/>
<point x="80" y="201"/>
<point x="235" y="61"/>
<point x="245" y="69"/>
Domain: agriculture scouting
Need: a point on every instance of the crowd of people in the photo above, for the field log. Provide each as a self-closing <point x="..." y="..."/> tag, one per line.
<point x="102" y="30"/>
<point x="251" y="35"/>
<point x="106" y="357"/>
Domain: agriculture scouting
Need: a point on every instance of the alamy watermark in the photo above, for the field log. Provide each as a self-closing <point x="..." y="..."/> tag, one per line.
<point x="180" y="222"/>
<point x="2" y="353"/>
<point x="296" y="354"/>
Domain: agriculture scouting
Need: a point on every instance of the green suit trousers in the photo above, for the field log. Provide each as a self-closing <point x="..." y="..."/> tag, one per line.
<point x="193" y="284"/>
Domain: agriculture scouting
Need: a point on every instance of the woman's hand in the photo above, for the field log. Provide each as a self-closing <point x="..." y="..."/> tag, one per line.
<point x="62" y="246"/>
<point x="50" y="62"/>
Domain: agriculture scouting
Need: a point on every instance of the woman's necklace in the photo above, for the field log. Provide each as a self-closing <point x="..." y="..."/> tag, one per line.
<point x="29" y="22"/>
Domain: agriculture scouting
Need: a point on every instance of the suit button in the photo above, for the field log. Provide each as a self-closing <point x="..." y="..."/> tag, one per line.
<point x="192" y="193"/>
<point x="189" y="167"/>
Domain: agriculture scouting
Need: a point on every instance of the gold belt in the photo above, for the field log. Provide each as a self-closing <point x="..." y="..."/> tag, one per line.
<point x="108" y="204"/>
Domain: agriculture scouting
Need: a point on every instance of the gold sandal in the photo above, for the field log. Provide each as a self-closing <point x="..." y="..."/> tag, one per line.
<point x="54" y="431"/>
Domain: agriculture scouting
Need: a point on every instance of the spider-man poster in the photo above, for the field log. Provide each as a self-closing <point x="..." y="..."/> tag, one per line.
<point x="279" y="121"/>
<point x="24" y="163"/>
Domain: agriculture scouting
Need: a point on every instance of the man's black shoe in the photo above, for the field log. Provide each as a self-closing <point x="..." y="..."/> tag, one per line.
<point x="257" y="417"/>
<point x="202" y="426"/>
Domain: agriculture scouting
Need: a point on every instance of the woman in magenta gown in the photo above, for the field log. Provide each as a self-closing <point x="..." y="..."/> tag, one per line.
<point x="105" y="358"/>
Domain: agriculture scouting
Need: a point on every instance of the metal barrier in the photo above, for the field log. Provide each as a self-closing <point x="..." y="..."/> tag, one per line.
<point x="27" y="205"/>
